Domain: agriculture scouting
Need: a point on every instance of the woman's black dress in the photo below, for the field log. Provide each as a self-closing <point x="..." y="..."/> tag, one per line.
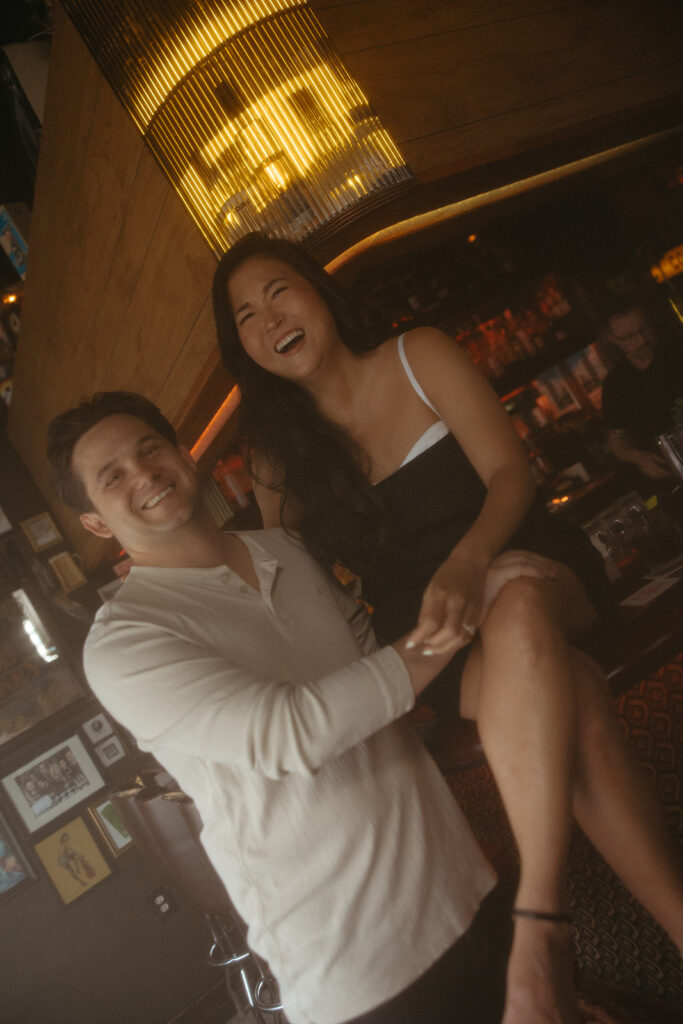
<point x="430" y="504"/>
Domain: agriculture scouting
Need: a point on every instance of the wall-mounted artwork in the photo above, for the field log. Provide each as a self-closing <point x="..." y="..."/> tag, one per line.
<point x="97" y="727"/>
<point x="111" y="827"/>
<point x="110" y="750"/>
<point x="15" y="869"/>
<point x="72" y="860"/>
<point x="52" y="783"/>
<point x="68" y="571"/>
<point x="41" y="532"/>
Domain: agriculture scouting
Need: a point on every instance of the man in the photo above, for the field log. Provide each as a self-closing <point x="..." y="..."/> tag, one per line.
<point x="228" y="658"/>
<point x="638" y="394"/>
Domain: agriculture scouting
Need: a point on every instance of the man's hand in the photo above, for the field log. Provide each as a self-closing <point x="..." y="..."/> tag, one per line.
<point x="651" y="465"/>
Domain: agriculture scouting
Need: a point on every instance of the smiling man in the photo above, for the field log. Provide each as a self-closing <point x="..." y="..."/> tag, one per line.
<point x="229" y="658"/>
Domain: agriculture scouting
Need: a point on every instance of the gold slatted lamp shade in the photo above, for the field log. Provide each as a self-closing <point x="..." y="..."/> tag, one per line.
<point x="248" y="109"/>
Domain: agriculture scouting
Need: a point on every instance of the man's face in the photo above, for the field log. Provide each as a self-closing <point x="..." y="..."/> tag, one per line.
<point x="142" y="488"/>
<point x="633" y="333"/>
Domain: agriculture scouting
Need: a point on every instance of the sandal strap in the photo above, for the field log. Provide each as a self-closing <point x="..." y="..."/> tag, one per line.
<point x="543" y="915"/>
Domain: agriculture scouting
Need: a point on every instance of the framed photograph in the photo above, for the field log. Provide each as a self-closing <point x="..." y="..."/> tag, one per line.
<point x="35" y="680"/>
<point x="52" y="783"/>
<point x="73" y="860"/>
<point x="68" y="572"/>
<point x="110" y="826"/>
<point x="15" y="870"/>
<point x="110" y="750"/>
<point x="97" y="728"/>
<point x="41" y="532"/>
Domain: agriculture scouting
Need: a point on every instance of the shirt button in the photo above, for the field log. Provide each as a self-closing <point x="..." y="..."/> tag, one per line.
<point x="243" y="588"/>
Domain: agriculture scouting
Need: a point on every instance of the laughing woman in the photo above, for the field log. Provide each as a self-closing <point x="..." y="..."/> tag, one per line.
<point x="398" y="461"/>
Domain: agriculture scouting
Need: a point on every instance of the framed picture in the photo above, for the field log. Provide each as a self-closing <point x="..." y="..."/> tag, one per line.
<point x="35" y="681"/>
<point x="73" y="860"/>
<point x="15" y="870"/>
<point x="52" y="783"/>
<point x="41" y="532"/>
<point x="110" y="825"/>
<point x="110" y="750"/>
<point x="97" y="728"/>
<point x="68" y="572"/>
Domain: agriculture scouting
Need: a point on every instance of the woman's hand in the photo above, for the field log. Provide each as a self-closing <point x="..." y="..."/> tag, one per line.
<point x="452" y="605"/>
<point x="461" y="592"/>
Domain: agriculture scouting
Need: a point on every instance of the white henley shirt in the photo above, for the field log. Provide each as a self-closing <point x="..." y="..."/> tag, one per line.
<point x="336" y="837"/>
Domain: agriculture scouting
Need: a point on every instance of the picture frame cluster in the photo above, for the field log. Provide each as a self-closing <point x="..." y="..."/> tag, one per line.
<point x="80" y="849"/>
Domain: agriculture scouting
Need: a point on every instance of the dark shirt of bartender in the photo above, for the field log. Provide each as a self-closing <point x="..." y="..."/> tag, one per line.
<point x="639" y="393"/>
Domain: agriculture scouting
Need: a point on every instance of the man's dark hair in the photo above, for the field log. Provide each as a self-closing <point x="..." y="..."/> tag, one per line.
<point x="620" y="305"/>
<point x="68" y="428"/>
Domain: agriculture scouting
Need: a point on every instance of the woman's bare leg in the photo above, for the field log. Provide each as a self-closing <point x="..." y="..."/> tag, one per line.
<point x="518" y="687"/>
<point x="616" y="807"/>
<point x="532" y="696"/>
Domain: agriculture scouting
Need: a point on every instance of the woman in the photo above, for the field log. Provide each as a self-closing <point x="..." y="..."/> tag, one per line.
<point x="398" y="461"/>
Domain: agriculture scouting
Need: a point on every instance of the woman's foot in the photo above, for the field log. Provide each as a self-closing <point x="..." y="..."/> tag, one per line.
<point x="540" y="975"/>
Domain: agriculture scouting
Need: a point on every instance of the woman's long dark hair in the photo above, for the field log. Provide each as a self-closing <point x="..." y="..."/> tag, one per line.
<point x="318" y="464"/>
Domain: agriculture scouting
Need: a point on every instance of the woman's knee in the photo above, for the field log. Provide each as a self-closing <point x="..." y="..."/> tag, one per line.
<point x="519" y="617"/>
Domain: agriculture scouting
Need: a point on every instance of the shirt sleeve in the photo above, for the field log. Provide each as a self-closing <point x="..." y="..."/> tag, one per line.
<point x="172" y="694"/>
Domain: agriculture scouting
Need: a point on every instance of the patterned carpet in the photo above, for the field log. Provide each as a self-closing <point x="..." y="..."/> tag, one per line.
<point x="619" y="946"/>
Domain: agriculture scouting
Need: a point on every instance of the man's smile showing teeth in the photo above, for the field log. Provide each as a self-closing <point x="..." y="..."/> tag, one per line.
<point x="284" y="344"/>
<point x="158" y="497"/>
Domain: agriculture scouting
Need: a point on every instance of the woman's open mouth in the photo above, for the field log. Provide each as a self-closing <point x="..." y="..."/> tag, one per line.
<point x="289" y="341"/>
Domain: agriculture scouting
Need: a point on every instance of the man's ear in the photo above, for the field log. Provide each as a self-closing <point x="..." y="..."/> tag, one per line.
<point x="94" y="524"/>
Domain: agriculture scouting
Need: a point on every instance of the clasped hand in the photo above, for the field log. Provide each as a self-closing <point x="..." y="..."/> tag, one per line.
<point x="461" y="592"/>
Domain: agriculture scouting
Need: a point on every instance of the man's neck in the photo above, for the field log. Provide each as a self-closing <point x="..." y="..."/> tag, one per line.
<point x="198" y="545"/>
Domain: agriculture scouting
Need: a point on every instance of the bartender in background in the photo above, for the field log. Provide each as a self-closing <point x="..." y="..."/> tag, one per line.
<point x="639" y="393"/>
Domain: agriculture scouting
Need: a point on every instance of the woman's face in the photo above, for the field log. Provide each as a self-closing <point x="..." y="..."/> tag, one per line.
<point x="282" y="321"/>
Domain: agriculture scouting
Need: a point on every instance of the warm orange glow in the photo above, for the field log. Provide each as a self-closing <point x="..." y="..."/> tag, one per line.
<point x="471" y="238"/>
<point x="670" y="265"/>
<point x="9" y="298"/>
<point x="216" y="423"/>
<point x="423" y="221"/>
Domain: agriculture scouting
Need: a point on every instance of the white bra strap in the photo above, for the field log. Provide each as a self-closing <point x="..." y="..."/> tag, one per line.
<point x="411" y="376"/>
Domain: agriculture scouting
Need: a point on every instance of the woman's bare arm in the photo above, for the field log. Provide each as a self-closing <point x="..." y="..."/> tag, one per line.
<point x="474" y="415"/>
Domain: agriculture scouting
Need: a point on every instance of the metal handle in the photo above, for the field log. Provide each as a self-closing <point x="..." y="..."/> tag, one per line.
<point x="218" y="958"/>
<point x="266" y="1008"/>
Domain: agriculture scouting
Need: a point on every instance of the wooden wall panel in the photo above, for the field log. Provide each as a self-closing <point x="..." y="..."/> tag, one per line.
<point x="495" y="79"/>
<point x="118" y="278"/>
<point x="367" y="24"/>
<point x="512" y="132"/>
